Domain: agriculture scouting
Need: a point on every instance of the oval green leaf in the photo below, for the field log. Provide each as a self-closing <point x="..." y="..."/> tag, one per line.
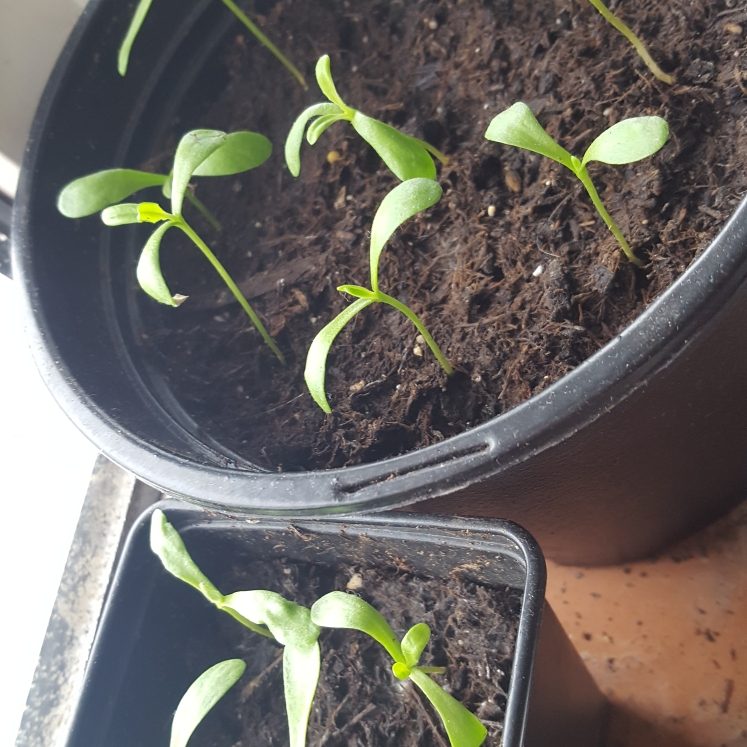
<point x="151" y="212"/>
<point x="134" y="29"/>
<point x="295" y="136"/>
<point x="241" y="151"/>
<point x="357" y="292"/>
<point x="415" y="640"/>
<point x="404" y="201"/>
<point x="169" y="547"/>
<point x="517" y="126"/>
<point x="340" y="610"/>
<point x="403" y="154"/>
<point x="462" y="727"/>
<point x="324" y="79"/>
<point x="628" y="141"/>
<point x="149" y="270"/>
<point x="301" y="667"/>
<point x="200" y="698"/>
<point x="121" y="215"/>
<point x="89" y="194"/>
<point x="193" y="149"/>
<point x="316" y="359"/>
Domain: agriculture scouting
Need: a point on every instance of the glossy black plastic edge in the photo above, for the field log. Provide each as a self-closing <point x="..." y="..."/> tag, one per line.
<point x="643" y="349"/>
<point x="400" y="525"/>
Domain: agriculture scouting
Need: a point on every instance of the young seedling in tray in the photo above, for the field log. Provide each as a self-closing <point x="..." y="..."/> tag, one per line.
<point x="199" y="153"/>
<point x="297" y="629"/>
<point x="638" y="45"/>
<point x="405" y="155"/>
<point x="625" y="142"/>
<point x="404" y="201"/>
<point x="340" y="610"/>
<point x="264" y="612"/>
<point x="142" y="11"/>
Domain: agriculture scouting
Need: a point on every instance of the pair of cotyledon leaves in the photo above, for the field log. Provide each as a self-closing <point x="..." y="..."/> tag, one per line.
<point x="297" y="629"/>
<point x="625" y="142"/>
<point x="199" y="153"/>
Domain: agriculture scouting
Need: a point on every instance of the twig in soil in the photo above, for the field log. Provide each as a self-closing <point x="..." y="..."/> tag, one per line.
<point x="353" y="721"/>
<point x="246" y="693"/>
<point x="434" y="729"/>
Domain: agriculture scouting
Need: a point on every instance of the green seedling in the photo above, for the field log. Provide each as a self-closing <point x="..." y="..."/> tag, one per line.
<point x="199" y="153"/>
<point x="340" y="610"/>
<point x="625" y="142"/>
<point x="142" y="11"/>
<point x="638" y="45"/>
<point x="404" y="201"/>
<point x="406" y="156"/>
<point x="263" y="612"/>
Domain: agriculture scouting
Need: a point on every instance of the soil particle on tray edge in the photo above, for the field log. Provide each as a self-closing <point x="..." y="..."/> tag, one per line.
<point x="512" y="271"/>
<point x="359" y="701"/>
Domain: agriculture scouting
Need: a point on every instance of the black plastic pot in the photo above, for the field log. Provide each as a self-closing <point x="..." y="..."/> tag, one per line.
<point x="156" y="634"/>
<point x="644" y="442"/>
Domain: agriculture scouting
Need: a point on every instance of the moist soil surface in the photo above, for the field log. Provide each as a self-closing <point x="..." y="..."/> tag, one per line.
<point x="358" y="700"/>
<point x="513" y="272"/>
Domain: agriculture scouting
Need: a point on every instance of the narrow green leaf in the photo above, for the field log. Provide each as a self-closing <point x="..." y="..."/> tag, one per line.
<point x="295" y="136"/>
<point x="462" y="727"/>
<point x="169" y="547"/>
<point x="518" y="126"/>
<point x="194" y="148"/>
<point x="415" y="640"/>
<point x="301" y="667"/>
<point x="241" y="151"/>
<point x="340" y="610"/>
<point x="324" y="79"/>
<point x="357" y="292"/>
<point x="137" y="21"/>
<point x="318" y="127"/>
<point x="628" y="141"/>
<point x="403" y="154"/>
<point x="291" y="625"/>
<point x="404" y="201"/>
<point x="92" y="193"/>
<point x="149" y="270"/>
<point x="120" y="215"/>
<point x="316" y="359"/>
<point x="201" y="696"/>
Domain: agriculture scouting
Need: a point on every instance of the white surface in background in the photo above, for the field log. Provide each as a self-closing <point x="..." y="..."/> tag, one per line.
<point x="32" y="33"/>
<point x="45" y="465"/>
<point x="8" y="175"/>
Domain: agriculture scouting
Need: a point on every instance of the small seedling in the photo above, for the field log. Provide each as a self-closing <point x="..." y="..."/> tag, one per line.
<point x="142" y="11"/>
<point x="406" y="156"/>
<point x="638" y="45"/>
<point x="199" y="153"/>
<point x="340" y="610"/>
<point x="264" y="612"/>
<point x="404" y="201"/>
<point x="625" y="142"/>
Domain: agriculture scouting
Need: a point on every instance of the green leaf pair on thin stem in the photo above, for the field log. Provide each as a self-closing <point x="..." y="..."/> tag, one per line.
<point x="638" y="45"/>
<point x="339" y="610"/>
<point x="263" y="612"/>
<point x="408" y="157"/>
<point x="625" y="142"/>
<point x="142" y="11"/>
<point x="200" y="153"/>
<point x="404" y="201"/>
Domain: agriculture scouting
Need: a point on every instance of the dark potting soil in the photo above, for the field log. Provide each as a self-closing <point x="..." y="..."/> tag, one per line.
<point x="512" y="271"/>
<point x="358" y="700"/>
